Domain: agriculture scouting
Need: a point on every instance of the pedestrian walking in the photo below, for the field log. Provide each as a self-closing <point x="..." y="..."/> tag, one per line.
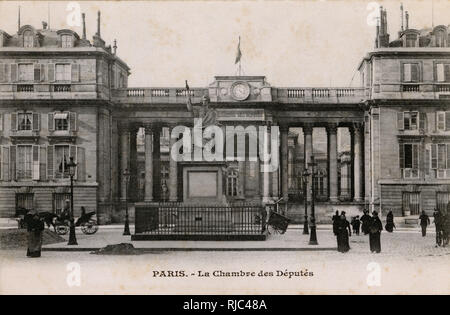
<point x="335" y="220"/>
<point x="365" y="220"/>
<point x="356" y="223"/>
<point x="375" y="228"/>
<point x="424" y="222"/>
<point x="343" y="234"/>
<point x="35" y="227"/>
<point x="438" y="226"/>
<point x="390" y="225"/>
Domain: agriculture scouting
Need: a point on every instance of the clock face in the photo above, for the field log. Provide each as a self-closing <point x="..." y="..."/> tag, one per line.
<point x="240" y="91"/>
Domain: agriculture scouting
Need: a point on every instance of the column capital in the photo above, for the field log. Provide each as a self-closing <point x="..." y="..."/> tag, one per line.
<point x="148" y="129"/>
<point x="357" y="127"/>
<point x="332" y="128"/>
<point x="283" y="128"/>
<point x="308" y="128"/>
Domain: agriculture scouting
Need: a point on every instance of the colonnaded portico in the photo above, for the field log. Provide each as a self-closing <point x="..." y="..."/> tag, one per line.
<point x="152" y="110"/>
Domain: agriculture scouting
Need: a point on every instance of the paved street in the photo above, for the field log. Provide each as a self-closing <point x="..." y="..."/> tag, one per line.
<point x="408" y="264"/>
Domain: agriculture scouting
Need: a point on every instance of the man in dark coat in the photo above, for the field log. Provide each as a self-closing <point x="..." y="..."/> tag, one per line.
<point x="335" y="220"/>
<point x="35" y="226"/>
<point x="365" y="219"/>
<point x="343" y="233"/>
<point x="356" y="223"/>
<point x="375" y="228"/>
<point x="390" y="225"/>
<point x="424" y="222"/>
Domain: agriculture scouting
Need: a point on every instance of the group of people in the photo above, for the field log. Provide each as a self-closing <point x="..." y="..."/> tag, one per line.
<point x="369" y="225"/>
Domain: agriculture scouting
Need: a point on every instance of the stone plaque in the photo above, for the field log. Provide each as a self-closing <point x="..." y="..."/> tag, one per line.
<point x="202" y="184"/>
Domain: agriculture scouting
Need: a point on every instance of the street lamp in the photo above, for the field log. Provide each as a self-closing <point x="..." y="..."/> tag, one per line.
<point x="313" y="236"/>
<point x="72" y="168"/>
<point x="126" y="229"/>
<point x="305" y="176"/>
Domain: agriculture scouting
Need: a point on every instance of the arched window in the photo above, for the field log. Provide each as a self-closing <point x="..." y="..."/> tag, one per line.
<point x="440" y="39"/>
<point x="232" y="183"/>
<point x="28" y="39"/>
<point x="411" y="40"/>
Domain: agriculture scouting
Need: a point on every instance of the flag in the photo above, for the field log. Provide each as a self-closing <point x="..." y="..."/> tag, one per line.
<point x="187" y="86"/>
<point x="239" y="53"/>
<point x="189" y="102"/>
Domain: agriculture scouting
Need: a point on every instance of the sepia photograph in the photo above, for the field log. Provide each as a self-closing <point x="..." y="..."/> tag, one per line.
<point x="225" y="148"/>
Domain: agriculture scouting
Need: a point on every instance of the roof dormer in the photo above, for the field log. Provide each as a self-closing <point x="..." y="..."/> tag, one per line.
<point x="411" y="38"/>
<point x="67" y="38"/>
<point x="4" y="38"/>
<point x="29" y="37"/>
<point x="440" y="35"/>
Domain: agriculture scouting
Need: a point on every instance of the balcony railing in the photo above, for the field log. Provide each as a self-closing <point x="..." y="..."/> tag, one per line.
<point x="59" y="88"/>
<point x="442" y="88"/>
<point x="25" y="88"/>
<point x="410" y="88"/>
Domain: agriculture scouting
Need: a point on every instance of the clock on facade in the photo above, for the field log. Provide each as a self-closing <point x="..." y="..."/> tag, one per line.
<point x="240" y="90"/>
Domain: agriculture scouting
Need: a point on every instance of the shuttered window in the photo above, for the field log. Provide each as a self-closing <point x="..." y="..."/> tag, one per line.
<point x="409" y="159"/>
<point x="58" y="157"/>
<point x="1" y="122"/>
<point x="411" y="72"/>
<point x="3" y="72"/>
<point x="411" y="120"/>
<point x="26" y="72"/>
<point x="63" y="72"/>
<point x="440" y="159"/>
<point x="28" y="39"/>
<point x="24" y="162"/>
<point x="62" y="121"/>
<point x="443" y="72"/>
<point x="440" y="121"/>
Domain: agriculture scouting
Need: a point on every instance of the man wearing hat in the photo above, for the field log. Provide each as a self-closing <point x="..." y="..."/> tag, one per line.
<point x="375" y="228"/>
<point x="35" y="227"/>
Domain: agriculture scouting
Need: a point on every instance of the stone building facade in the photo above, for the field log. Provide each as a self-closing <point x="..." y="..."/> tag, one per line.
<point x="64" y="96"/>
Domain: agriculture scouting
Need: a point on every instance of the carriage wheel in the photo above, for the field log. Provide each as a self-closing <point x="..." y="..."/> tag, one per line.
<point x="61" y="229"/>
<point x="273" y="230"/>
<point x="89" y="228"/>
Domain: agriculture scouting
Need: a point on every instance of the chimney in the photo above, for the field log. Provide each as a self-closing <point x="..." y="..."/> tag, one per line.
<point x="98" y="24"/>
<point x="115" y="47"/>
<point x="407" y="20"/>
<point x="83" y="16"/>
<point x="401" y="9"/>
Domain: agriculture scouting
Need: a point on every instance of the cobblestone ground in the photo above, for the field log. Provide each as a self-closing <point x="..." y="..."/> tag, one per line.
<point x="408" y="264"/>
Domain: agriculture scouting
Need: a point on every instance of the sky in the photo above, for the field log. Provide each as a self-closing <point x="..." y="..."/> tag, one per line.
<point x="292" y="43"/>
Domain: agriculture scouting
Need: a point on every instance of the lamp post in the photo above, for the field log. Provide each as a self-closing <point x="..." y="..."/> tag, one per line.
<point x="72" y="168"/>
<point x="126" y="228"/>
<point x="313" y="236"/>
<point x="305" y="175"/>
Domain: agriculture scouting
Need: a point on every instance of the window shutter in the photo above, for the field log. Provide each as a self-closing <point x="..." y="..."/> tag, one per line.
<point x="415" y="156"/>
<point x="36" y="166"/>
<point x="42" y="78"/>
<point x="1" y="162"/>
<point x="73" y="154"/>
<point x="440" y="72"/>
<point x="1" y="122"/>
<point x="73" y="121"/>
<point x="13" y="121"/>
<point x="12" y="162"/>
<point x="51" y="122"/>
<point x="37" y="72"/>
<point x="42" y="163"/>
<point x="81" y="164"/>
<point x="5" y="163"/>
<point x="51" y="72"/>
<point x="75" y="72"/>
<point x="447" y="120"/>
<point x="423" y="121"/>
<point x="442" y="156"/>
<point x="427" y="160"/>
<point x="447" y="73"/>
<point x="2" y="72"/>
<point x="50" y="162"/>
<point x="400" y="121"/>
<point x="434" y="156"/>
<point x="14" y="72"/>
<point x="36" y="121"/>
<point x="448" y="156"/>
<point x="440" y="121"/>
<point x="407" y="72"/>
<point x="402" y="156"/>
<point x="415" y="73"/>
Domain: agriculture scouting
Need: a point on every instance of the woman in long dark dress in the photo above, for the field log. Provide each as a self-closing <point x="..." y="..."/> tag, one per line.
<point x="375" y="229"/>
<point x="390" y="225"/>
<point x="35" y="226"/>
<point x="365" y="220"/>
<point x="335" y="222"/>
<point x="343" y="233"/>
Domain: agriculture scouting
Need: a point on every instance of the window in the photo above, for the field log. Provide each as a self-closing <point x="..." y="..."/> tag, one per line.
<point x="28" y="39"/>
<point x="443" y="72"/>
<point x="411" y="203"/>
<point x="66" y="41"/>
<point x="440" y="159"/>
<point x="62" y="158"/>
<point x="411" y="72"/>
<point x="411" y="121"/>
<point x="26" y="72"/>
<point x="442" y="121"/>
<point x="24" y="201"/>
<point x="411" y="40"/>
<point x="232" y="182"/>
<point x="24" y="166"/>
<point x="59" y="201"/>
<point x="25" y="121"/>
<point x="63" y="72"/>
<point x="409" y="160"/>
<point x="61" y="121"/>
<point x="440" y="39"/>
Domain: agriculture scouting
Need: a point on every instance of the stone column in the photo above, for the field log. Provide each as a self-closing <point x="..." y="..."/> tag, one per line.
<point x="308" y="148"/>
<point x="173" y="170"/>
<point x="124" y="135"/>
<point x="148" y="197"/>
<point x="133" y="191"/>
<point x="284" y="162"/>
<point x="358" y="162"/>
<point x="333" y="155"/>
<point x="157" y="163"/>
